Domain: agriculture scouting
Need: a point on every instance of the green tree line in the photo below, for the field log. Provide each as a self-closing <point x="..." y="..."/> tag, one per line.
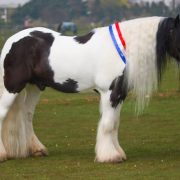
<point x="55" y="11"/>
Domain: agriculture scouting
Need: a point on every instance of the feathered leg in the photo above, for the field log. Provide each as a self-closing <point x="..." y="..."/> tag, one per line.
<point x="107" y="145"/>
<point x="6" y="101"/>
<point x="18" y="135"/>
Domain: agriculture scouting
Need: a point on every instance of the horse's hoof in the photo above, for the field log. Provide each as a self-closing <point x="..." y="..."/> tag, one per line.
<point x="122" y="154"/>
<point x="118" y="158"/>
<point x="3" y="157"/>
<point x="41" y="152"/>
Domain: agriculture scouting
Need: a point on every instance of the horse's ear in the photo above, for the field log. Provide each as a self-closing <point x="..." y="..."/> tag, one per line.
<point x="177" y="21"/>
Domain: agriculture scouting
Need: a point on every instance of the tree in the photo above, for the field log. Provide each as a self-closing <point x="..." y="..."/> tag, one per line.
<point x="55" y="11"/>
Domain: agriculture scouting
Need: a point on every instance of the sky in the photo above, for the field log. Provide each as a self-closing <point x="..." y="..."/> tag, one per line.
<point x="168" y="2"/>
<point x="12" y="2"/>
<point x="157" y="0"/>
<point x="15" y="3"/>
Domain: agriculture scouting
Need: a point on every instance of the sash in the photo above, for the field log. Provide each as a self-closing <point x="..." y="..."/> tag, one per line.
<point x="118" y="40"/>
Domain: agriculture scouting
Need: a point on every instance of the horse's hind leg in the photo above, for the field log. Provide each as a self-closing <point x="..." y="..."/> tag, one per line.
<point x="36" y="147"/>
<point x="6" y="100"/>
<point x="18" y="135"/>
<point x="107" y="145"/>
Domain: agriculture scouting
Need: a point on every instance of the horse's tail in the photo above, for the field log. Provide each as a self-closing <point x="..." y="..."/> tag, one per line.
<point x="142" y="82"/>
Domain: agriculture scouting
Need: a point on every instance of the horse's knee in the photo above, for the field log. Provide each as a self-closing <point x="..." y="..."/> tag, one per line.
<point x="107" y="125"/>
<point x="108" y="128"/>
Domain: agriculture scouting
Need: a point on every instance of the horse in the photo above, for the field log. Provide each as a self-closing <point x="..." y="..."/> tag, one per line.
<point x="112" y="60"/>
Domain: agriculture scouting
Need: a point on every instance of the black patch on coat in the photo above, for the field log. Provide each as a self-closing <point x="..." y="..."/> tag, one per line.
<point x="45" y="36"/>
<point x="84" y="39"/>
<point x="68" y="86"/>
<point x="119" y="90"/>
<point x="96" y="91"/>
<point x="168" y="42"/>
<point x="27" y="62"/>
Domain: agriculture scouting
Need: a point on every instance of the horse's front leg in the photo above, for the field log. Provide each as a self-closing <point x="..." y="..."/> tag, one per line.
<point x="6" y="100"/>
<point x="107" y="145"/>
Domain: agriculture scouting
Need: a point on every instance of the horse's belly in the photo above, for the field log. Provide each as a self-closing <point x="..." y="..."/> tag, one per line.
<point x="74" y="69"/>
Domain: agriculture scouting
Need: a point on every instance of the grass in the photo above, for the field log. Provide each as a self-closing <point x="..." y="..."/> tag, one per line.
<point x="67" y="125"/>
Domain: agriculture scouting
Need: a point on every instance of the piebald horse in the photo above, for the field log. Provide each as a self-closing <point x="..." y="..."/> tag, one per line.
<point x="113" y="60"/>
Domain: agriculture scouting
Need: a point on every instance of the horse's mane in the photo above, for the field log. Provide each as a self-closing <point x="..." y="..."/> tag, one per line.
<point x="141" y="40"/>
<point x="162" y="44"/>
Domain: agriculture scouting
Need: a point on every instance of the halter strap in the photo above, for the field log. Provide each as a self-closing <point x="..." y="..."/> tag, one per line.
<point x="118" y="40"/>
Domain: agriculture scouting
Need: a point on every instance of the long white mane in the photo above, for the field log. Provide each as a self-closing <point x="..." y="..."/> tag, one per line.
<point x="140" y="36"/>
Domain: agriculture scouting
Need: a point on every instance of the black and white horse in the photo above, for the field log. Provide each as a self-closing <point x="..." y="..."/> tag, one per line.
<point x="36" y="58"/>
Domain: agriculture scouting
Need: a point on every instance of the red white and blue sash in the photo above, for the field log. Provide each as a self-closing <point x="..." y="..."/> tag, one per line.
<point x="118" y="40"/>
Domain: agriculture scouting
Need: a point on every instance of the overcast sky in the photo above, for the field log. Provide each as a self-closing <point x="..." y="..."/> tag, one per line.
<point x="12" y="2"/>
<point x="20" y="2"/>
<point x="168" y="2"/>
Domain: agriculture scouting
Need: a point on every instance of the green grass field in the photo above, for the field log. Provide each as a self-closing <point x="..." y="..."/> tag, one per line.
<point x="67" y="125"/>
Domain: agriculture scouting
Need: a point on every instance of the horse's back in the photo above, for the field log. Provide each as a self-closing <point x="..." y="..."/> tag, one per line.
<point x="86" y="60"/>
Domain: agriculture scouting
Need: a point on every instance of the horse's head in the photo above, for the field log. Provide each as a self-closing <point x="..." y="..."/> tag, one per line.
<point x="173" y="44"/>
